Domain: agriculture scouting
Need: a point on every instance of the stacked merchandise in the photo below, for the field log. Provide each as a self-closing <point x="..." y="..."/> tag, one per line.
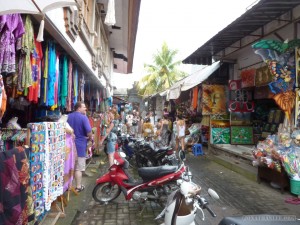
<point x="48" y="141"/>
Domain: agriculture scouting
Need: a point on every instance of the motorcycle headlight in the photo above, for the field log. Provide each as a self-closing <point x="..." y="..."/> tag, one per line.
<point x="116" y="162"/>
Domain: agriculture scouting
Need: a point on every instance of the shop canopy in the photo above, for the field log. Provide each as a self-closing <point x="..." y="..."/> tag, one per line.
<point x="32" y="6"/>
<point x="261" y="13"/>
<point x="191" y="81"/>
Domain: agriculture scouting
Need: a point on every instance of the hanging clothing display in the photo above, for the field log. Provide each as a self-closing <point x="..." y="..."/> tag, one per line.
<point x="15" y="191"/>
<point x="51" y="74"/>
<point x="195" y="97"/>
<point x="3" y="98"/>
<point x="27" y="49"/>
<point x="11" y="29"/>
<point x="70" y="156"/>
<point x="56" y="84"/>
<point x="82" y="82"/>
<point x="34" y="89"/>
<point x="69" y="83"/>
<point x="75" y="85"/>
<point x="64" y="82"/>
<point x="44" y="80"/>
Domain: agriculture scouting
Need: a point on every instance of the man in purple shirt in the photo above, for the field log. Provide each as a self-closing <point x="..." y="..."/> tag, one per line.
<point x="83" y="131"/>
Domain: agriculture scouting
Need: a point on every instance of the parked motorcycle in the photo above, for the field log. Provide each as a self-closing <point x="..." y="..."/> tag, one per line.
<point x="148" y="154"/>
<point x="156" y="182"/>
<point x="123" y="145"/>
<point x="183" y="203"/>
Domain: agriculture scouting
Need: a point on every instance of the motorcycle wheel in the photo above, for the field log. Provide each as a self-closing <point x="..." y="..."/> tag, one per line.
<point x="106" y="192"/>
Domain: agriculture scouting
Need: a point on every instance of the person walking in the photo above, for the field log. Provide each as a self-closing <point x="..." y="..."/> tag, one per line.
<point x="164" y="131"/>
<point x="148" y="129"/>
<point x="129" y="120"/>
<point x="83" y="132"/>
<point x="135" y="123"/>
<point x="111" y="137"/>
<point x="180" y="132"/>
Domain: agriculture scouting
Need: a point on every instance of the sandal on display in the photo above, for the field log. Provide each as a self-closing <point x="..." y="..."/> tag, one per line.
<point x="294" y="201"/>
<point x="80" y="189"/>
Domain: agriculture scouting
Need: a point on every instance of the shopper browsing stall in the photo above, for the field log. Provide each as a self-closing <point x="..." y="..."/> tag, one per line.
<point x="83" y="131"/>
<point x="180" y="131"/>
<point x="111" y="137"/>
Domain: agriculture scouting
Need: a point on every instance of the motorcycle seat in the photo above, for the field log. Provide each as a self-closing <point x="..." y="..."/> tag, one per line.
<point x="151" y="173"/>
<point x="166" y="148"/>
<point x="133" y="139"/>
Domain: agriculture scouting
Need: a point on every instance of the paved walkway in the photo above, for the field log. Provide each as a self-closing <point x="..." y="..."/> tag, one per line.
<point x="238" y="196"/>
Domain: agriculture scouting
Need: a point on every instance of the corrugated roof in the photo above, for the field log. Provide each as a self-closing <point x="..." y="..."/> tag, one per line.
<point x="259" y="15"/>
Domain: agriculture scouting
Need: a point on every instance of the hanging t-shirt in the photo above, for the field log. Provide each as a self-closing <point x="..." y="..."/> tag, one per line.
<point x="70" y="82"/>
<point x="51" y="74"/>
<point x="64" y="82"/>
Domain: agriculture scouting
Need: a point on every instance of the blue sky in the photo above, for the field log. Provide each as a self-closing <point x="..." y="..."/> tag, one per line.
<point x="184" y="25"/>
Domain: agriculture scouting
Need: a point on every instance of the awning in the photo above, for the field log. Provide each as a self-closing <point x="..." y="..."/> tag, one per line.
<point x="199" y="76"/>
<point x="32" y="6"/>
<point x="263" y="12"/>
<point x="192" y="80"/>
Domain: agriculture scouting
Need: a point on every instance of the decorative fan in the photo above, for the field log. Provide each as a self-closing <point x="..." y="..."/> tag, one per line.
<point x="286" y="101"/>
<point x="280" y="59"/>
<point x="279" y="46"/>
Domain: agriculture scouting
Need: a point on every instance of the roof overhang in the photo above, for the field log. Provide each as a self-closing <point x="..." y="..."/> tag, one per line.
<point x="192" y="80"/>
<point x="122" y="36"/>
<point x="259" y="15"/>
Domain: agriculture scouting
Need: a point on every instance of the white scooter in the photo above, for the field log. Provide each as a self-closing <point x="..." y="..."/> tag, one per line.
<point x="183" y="204"/>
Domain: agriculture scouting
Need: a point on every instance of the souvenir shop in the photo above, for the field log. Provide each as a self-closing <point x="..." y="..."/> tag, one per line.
<point x="260" y="110"/>
<point x="39" y="82"/>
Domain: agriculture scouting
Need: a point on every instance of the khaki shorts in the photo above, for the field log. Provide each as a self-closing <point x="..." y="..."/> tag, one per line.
<point x="80" y="164"/>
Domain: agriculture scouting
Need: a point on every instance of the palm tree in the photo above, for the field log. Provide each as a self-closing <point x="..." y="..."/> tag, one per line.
<point x="163" y="74"/>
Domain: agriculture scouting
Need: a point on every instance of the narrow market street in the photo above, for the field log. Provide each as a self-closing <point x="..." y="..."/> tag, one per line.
<point x="238" y="196"/>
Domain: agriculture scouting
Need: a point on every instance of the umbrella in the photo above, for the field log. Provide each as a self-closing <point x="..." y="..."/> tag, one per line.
<point x="33" y="7"/>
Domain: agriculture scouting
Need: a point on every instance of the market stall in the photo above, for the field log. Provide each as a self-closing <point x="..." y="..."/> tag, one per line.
<point x="280" y="152"/>
<point x="39" y="82"/>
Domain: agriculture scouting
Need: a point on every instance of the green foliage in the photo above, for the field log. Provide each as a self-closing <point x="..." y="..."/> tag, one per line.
<point x="162" y="74"/>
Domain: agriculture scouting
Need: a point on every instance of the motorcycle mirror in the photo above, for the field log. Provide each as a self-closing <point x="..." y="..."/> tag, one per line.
<point x="181" y="155"/>
<point x="213" y="194"/>
<point x="122" y="154"/>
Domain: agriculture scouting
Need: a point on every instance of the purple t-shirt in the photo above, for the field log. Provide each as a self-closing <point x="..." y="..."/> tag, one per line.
<point x="81" y="127"/>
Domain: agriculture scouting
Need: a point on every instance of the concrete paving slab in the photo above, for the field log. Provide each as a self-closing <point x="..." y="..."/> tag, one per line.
<point x="238" y="196"/>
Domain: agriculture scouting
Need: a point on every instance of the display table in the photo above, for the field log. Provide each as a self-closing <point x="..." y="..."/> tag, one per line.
<point x="271" y="175"/>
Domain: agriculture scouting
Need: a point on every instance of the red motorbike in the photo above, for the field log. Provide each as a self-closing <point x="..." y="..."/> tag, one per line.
<point x="156" y="184"/>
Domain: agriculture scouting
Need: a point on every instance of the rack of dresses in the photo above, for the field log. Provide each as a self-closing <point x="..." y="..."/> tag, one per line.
<point x="11" y="138"/>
